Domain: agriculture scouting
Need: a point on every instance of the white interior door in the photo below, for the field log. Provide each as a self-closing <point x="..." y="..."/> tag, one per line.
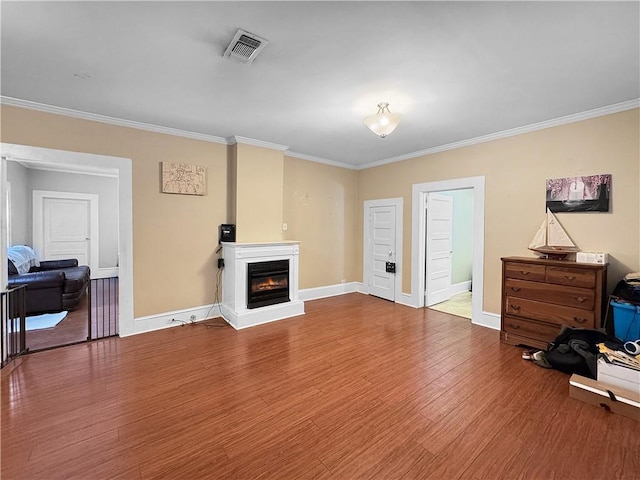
<point x="439" y="226"/>
<point x="66" y="229"/>
<point x="382" y="249"/>
<point x="65" y="226"/>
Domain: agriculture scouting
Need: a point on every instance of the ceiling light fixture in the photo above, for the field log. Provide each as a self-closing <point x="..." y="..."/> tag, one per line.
<point x="384" y="122"/>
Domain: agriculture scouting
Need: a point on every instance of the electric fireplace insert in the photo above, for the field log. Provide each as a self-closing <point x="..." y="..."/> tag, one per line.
<point x="267" y="283"/>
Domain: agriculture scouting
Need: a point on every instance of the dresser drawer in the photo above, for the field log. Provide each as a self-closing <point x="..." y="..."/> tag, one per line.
<point x="540" y="295"/>
<point x="526" y="328"/>
<point x="547" y="312"/>
<point x="551" y="293"/>
<point x="574" y="277"/>
<point x="523" y="271"/>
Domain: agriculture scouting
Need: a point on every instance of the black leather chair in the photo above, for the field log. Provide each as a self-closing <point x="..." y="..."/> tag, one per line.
<point x="54" y="286"/>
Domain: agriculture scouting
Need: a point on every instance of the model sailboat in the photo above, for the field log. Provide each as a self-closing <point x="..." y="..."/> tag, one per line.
<point x="551" y="240"/>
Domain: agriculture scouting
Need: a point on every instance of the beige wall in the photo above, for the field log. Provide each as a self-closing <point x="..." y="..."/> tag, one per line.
<point x="320" y="205"/>
<point x="174" y="236"/>
<point x="515" y="170"/>
<point x="258" y="199"/>
<point x="232" y="181"/>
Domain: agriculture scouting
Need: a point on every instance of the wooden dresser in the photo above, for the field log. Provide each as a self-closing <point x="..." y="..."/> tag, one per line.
<point x="539" y="296"/>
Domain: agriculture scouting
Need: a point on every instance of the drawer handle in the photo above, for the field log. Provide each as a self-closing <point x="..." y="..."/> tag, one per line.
<point x="515" y="307"/>
<point x="515" y="289"/>
<point x="580" y="320"/>
<point x="523" y="272"/>
<point x="515" y="327"/>
<point x="580" y="299"/>
<point x="569" y="277"/>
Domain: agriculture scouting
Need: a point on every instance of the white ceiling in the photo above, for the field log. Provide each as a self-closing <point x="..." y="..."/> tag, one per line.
<point x="455" y="70"/>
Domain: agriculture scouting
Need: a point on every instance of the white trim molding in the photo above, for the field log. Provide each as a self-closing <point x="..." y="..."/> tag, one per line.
<point x="576" y="117"/>
<point x="94" y="117"/>
<point x="311" y="158"/>
<point x="84" y="170"/>
<point x="554" y="122"/>
<point x="419" y="192"/>
<point x="316" y="293"/>
<point x="125" y="208"/>
<point x="459" y="288"/>
<point x="257" y="143"/>
<point x="406" y="299"/>
<point x="174" y="318"/>
<point x="177" y="318"/>
<point x="489" y="320"/>
<point x="105" y="272"/>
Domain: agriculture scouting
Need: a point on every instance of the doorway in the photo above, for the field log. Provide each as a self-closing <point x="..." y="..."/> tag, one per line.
<point x="419" y="195"/>
<point x="65" y="225"/>
<point x="122" y="289"/>
<point x="439" y="247"/>
<point x="382" y="258"/>
<point x="53" y="212"/>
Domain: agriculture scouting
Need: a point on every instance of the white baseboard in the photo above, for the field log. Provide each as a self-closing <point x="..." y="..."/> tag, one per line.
<point x="204" y="312"/>
<point x="460" y="288"/>
<point x="259" y="316"/>
<point x="164" y="320"/>
<point x="329" y="291"/>
<point x="105" y="272"/>
<point x="406" y="299"/>
<point x="489" y="320"/>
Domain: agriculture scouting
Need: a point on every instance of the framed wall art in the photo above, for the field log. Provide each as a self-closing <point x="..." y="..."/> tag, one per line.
<point x="579" y="194"/>
<point x="182" y="178"/>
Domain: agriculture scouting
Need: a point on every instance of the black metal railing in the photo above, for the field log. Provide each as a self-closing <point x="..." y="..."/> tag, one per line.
<point x="103" y="308"/>
<point x="13" y="303"/>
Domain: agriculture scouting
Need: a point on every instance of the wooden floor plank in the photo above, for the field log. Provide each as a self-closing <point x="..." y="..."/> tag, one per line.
<point x="356" y="388"/>
<point x="74" y="327"/>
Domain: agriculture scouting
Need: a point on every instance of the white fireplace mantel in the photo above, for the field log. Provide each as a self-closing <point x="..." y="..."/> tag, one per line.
<point x="234" y="282"/>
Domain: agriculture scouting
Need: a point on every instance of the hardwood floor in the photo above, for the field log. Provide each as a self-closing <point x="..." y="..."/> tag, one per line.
<point x="73" y="329"/>
<point x="357" y="388"/>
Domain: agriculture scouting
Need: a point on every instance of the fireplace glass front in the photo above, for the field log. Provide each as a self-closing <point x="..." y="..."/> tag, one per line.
<point x="267" y="283"/>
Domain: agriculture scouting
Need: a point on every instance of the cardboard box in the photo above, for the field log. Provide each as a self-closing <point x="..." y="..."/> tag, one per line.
<point x="592" y="257"/>
<point x="618" y="376"/>
<point x="613" y="399"/>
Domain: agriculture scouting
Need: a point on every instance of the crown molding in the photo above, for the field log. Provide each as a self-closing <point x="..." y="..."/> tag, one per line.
<point x="555" y="122"/>
<point x="67" y="112"/>
<point x="69" y="169"/>
<point x="256" y="143"/>
<point x="577" y="117"/>
<point x="311" y="158"/>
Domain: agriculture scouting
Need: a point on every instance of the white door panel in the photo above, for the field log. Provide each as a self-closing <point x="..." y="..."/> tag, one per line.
<point x="65" y="225"/>
<point x="382" y="225"/>
<point x="439" y="225"/>
<point x="66" y="229"/>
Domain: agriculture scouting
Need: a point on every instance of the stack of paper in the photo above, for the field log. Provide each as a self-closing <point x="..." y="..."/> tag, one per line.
<point x="618" y="368"/>
<point x="618" y="357"/>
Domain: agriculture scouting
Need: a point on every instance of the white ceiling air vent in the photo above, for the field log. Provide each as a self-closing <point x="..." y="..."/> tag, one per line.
<point x="245" y="47"/>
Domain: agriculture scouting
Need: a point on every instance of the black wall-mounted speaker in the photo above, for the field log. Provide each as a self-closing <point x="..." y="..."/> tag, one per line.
<point x="227" y="233"/>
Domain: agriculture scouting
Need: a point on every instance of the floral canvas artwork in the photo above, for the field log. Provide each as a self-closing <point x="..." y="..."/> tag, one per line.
<point x="579" y="194"/>
<point x="183" y="178"/>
